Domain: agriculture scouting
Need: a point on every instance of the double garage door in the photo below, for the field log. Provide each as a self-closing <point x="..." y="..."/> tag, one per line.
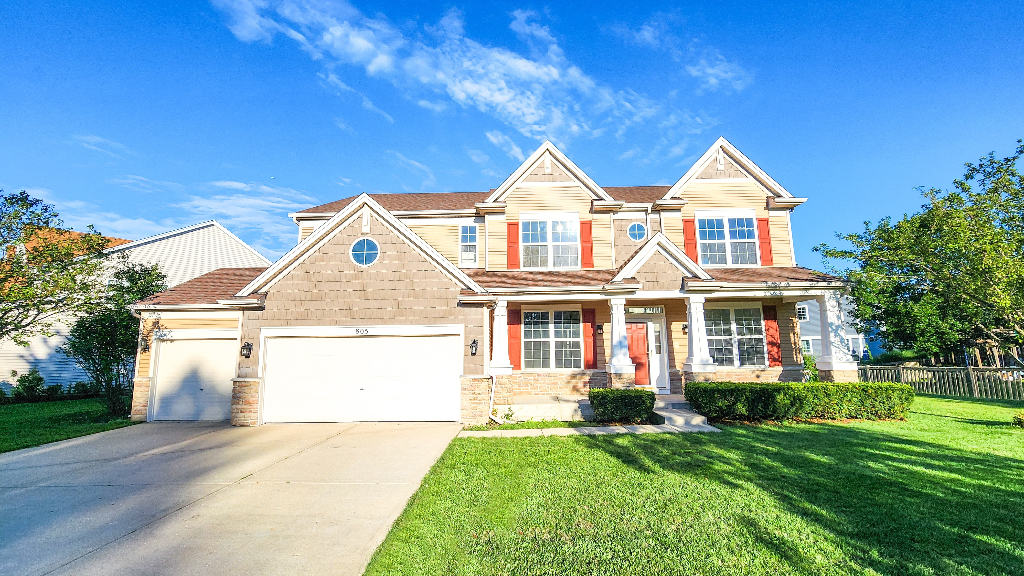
<point x="317" y="379"/>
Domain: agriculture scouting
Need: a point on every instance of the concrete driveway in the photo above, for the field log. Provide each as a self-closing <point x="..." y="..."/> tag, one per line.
<point x="195" y="498"/>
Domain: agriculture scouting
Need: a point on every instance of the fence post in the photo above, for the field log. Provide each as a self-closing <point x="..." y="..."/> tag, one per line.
<point x="974" y="383"/>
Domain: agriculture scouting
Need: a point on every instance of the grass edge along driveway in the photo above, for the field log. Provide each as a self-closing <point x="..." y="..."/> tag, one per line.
<point x="941" y="493"/>
<point x="33" y="424"/>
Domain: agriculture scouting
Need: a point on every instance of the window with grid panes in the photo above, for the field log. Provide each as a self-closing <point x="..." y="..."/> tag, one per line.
<point x="736" y="336"/>
<point x="725" y="241"/>
<point x="558" y="331"/>
<point x="550" y="244"/>
<point x="467" y="245"/>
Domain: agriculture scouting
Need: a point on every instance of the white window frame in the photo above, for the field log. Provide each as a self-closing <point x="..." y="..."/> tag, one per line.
<point x="551" y="336"/>
<point x="724" y="216"/>
<point x="475" y="244"/>
<point x="549" y="217"/>
<point x="642" y="227"/>
<point x="732" y="307"/>
<point x="809" y="351"/>
<point x="802" y="308"/>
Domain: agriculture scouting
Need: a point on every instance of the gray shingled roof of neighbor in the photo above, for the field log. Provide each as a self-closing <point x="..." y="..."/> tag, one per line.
<point x="220" y="284"/>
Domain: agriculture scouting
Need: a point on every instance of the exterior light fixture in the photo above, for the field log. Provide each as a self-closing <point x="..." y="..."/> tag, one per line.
<point x="247" y="350"/>
<point x="473" y="346"/>
<point x="600" y="329"/>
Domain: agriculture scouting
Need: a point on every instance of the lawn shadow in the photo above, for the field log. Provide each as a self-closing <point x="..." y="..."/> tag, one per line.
<point x="895" y="505"/>
<point x="1014" y="404"/>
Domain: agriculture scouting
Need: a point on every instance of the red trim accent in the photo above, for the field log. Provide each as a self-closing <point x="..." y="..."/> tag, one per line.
<point x="515" y="347"/>
<point x="690" y="238"/>
<point x="589" y="321"/>
<point x="587" y="244"/>
<point x="772" y="335"/>
<point x="764" y="235"/>
<point x="513" y="246"/>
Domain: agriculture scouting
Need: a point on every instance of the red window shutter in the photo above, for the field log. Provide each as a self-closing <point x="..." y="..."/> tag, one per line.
<point x="764" y="235"/>
<point x="589" y="321"/>
<point x="515" y="347"/>
<point x="690" y="238"/>
<point x="513" y="246"/>
<point x="772" y="335"/>
<point x="587" y="244"/>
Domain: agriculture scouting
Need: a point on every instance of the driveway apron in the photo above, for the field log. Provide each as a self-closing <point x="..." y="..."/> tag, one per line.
<point x="194" y="498"/>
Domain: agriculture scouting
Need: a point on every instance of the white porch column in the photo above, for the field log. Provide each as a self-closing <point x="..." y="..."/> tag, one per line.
<point x="835" y="348"/>
<point x="500" y="363"/>
<point x="620" y="362"/>
<point x="699" y="358"/>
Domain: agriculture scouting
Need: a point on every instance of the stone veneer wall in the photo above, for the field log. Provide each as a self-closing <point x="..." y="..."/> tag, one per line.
<point x="547" y="384"/>
<point x="245" y="402"/>
<point x="838" y="376"/>
<point x="775" y="374"/>
<point x="140" y="400"/>
<point x="476" y="399"/>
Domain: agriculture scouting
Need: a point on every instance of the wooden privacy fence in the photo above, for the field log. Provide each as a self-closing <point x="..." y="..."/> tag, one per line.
<point x="996" y="383"/>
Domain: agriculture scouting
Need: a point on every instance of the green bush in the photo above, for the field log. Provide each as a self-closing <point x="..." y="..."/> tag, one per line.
<point x="811" y="368"/>
<point x="1018" y="419"/>
<point x="85" y="388"/>
<point x="614" y="405"/>
<point x="784" y="401"/>
<point x="30" y="386"/>
<point x="53" y="391"/>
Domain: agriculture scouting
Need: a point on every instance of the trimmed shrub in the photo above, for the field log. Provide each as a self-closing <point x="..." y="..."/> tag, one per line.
<point x="785" y="401"/>
<point x="614" y="405"/>
<point x="1018" y="419"/>
<point x="30" y="386"/>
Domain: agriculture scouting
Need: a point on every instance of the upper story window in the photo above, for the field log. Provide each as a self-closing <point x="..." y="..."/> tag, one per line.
<point x="727" y="241"/>
<point x="550" y="243"/>
<point x="736" y="336"/>
<point x="637" y="231"/>
<point x="801" y="313"/>
<point x="468" y="246"/>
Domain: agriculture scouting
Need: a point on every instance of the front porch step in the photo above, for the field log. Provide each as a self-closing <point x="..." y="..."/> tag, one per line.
<point x="671" y="402"/>
<point x="681" y="417"/>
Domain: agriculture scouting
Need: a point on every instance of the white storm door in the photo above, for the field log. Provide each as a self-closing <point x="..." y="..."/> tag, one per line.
<point x="192" y="379"/>
<point x="362" y="378"/>
<point x="657" y="345"/>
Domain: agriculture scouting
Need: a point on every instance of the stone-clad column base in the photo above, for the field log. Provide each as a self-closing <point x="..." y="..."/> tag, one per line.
<point x="838" y="375"/>
<point x="245" y="402"/>
<point x="140" y="400"/>
<point x="621" y="380"/>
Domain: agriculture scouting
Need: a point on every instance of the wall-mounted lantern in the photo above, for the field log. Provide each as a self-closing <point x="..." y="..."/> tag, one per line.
<point x="247" y="350"/>
<point x="600" y="328"/>
<point x="473" y="347"/>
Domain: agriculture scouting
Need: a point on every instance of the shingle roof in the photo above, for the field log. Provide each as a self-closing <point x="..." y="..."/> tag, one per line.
<point x="530" y="279"/>
<point x="467" y="200"/>
<point x="221" y="284"/>
<point x="770" y="274"/>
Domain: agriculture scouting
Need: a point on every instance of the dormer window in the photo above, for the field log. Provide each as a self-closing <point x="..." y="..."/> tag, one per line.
<point x="727" y="241"/>
<point x="551" y="242"/>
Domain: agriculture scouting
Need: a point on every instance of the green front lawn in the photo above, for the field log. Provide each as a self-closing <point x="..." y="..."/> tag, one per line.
<point x="941" y="493"/>
<point x="26" y="425"/>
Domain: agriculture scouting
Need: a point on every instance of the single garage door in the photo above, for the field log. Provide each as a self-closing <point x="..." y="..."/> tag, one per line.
<point x="368" y="378"/>
<point x="193" y="379"/>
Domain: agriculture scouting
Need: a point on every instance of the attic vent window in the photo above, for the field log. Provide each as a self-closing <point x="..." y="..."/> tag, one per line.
<point x="721" y="160"/>
<point x="547" y="165"/>
<point x="365" y="251"/>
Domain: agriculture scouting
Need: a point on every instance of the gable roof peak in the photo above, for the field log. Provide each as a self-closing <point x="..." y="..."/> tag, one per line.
<point x="524" y="169"/>
<point x="726" y="147"/>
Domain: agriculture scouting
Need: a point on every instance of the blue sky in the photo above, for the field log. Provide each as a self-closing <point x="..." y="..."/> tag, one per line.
<point x="139" y="117"/>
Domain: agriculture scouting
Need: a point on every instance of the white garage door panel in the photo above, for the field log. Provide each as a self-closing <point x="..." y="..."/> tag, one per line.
<point x="346" y="379"/>
<point x="193" y="379"/>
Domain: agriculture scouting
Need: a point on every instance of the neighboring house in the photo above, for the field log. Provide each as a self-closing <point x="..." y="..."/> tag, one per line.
<point x="809" y="315"/>
<point x="182" y="255"/>
<point x="439" y="306"/>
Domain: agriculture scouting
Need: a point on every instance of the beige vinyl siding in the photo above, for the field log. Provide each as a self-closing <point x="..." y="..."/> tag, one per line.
<point x="789" y="333"/>
<point x="558" y="173"/>
<point x="723" y="196"/>
<point x="782" y="253"/>
<point x="678" y="345"/>
<point x="305" y="231"/>
<point x="601" y="233"/>
<point x="143" y="359"/>
<point x="547" y="198"/>
<point x="497" y="243"/>
<point x="672" y="226"/>
<point x="443" y="237"/>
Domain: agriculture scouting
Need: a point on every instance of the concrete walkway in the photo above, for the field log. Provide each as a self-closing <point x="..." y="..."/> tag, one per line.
<point x="194" y="498"/>
<point x="589" y="431"/>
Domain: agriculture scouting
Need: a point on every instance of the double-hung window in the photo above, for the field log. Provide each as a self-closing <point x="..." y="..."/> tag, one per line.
<point x="552" y="339"/>
<point x="801" y="313"/>
<point x="550" y="243"/>
<point x="736" y="336"/>
<point x="467" y="245"/>
<point x="727" y="241"/>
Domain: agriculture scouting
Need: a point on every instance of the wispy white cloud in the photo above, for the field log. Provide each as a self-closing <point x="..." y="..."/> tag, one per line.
<point x="102" y="145"/>
<point x="715" y="72"/>
<point x="143" y="184"/>
<point x="367" y="105"/>
<point x="540" y="95"/>
<point x="415" y="166"/>
<point x="478" y="156"/>
<point x="502" y="141"/>
<point x="79" y="215"/>
<point x="341" y="124"/>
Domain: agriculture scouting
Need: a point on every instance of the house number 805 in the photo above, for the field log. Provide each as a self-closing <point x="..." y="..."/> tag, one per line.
<point x="362" y="331"/>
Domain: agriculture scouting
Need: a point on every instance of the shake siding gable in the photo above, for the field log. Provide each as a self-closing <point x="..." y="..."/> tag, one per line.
<point x="328" y="289"/>
<point x="658" y="273"/>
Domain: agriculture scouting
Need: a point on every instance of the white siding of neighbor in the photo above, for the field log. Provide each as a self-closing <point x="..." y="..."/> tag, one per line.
<point x="181" y="254"/>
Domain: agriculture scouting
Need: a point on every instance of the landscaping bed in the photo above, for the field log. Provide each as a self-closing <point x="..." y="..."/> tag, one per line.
<point x="938" y="493"/>
<point x="31" y="424"/>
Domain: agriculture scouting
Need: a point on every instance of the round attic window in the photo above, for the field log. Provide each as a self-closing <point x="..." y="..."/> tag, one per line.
<point x="637" y="231"/>
<point x="365" y="251"/>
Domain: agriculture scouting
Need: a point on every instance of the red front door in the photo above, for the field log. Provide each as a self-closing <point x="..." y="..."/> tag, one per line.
<point x="636" y="335"/>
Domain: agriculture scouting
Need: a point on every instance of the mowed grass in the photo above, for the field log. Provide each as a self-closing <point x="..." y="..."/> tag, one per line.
<point x="27" y="425"/>
<point x="940" y="493"/>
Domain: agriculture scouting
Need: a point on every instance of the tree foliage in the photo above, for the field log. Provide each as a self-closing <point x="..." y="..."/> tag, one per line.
<point x="45" y="271"/>
<point x="103" y="343"/>
<point x="951" y="275"/>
